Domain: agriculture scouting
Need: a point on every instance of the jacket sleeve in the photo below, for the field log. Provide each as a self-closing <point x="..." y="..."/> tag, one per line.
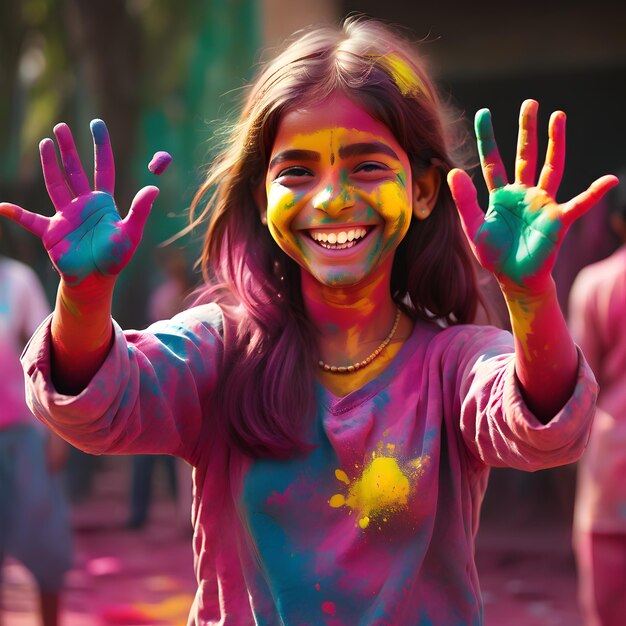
<point x="497" y="427"/>
<point x="151" y="395"/>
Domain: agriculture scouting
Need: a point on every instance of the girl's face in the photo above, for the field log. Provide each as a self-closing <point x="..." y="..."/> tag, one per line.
<point x="339" y="192"/>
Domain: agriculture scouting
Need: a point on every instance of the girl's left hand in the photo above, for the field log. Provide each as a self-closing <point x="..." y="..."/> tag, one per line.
<point x="519" y="236"/>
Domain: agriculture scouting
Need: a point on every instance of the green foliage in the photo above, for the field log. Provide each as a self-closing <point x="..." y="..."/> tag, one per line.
<point x="157" y="71"/>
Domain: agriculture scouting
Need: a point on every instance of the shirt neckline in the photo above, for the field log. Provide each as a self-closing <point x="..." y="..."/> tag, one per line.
<point x="342" y="404"/>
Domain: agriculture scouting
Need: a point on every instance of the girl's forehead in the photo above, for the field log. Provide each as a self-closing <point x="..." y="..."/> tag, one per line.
<point x="337" y="117"/>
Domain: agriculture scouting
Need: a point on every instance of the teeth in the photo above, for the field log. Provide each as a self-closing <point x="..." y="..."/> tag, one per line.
<point x="340" y="237"/>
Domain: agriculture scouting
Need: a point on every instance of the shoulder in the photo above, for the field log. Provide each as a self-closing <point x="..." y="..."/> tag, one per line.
<point x="205" y="320"/>
<point x="599" y="273"/>
<point x="453" y="344"/>
<point x="483" y="334"/>
<point x="207" y="314"/>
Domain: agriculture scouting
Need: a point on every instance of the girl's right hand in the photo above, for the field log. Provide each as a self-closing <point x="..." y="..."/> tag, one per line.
<point x="87" y="240"/>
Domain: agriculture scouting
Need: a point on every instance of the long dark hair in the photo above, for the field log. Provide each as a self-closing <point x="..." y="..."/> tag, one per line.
<point x="266" y="398"/>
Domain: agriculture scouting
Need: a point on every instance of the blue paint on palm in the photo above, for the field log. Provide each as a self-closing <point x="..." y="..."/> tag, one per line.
<point x="95" y="246"/>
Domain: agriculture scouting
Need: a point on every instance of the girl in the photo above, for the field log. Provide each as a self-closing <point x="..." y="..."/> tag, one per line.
<point x="339" y="411"/>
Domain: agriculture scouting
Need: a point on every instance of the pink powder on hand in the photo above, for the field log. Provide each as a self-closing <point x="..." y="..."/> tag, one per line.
<point x="159" y="162"/>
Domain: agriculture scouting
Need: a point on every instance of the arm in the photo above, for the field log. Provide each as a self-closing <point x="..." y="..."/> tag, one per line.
<point x="518" y="240"/>
<point x="89" y="244"/>
<point x="152" y="393"/>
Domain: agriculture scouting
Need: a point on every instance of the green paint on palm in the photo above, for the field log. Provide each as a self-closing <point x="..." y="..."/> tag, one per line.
<point x="520" y="233"/>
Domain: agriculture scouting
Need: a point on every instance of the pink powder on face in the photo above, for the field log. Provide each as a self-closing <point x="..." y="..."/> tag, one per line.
<point x="159" y="162"/>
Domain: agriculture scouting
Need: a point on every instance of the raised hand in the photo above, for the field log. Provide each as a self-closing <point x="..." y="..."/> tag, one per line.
<point x="520" y="234"/>
<point x="89" y="244"/>
<point x="86" y="237"/>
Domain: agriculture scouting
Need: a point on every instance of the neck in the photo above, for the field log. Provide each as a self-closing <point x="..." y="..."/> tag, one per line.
<point x="350" y="321"/>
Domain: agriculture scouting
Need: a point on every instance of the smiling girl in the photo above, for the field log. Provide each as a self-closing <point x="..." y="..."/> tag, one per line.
<point x="339" y="409"/>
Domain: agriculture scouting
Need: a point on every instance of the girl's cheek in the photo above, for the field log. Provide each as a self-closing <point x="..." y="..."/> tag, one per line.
<point x="279" y="202"/>
<point x="392" y="202"/>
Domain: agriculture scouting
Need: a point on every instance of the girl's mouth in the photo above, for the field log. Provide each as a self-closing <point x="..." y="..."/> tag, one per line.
<point x="339" y="239"/>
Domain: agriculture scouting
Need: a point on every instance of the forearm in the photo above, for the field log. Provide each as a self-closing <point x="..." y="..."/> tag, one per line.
<point x="546" y="360"/>
<point x="82" y="332"/>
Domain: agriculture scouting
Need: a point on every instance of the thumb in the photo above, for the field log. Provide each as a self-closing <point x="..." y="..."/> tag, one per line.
<point x="137" y="216"/>
<point x="466" y="200"/>
<point x="33" y="222"/>
<point x="579" y="205"/>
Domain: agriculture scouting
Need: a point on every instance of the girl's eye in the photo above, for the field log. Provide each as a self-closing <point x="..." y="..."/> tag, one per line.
<point x="371" y="168"/>
<point x="296" y="171"/>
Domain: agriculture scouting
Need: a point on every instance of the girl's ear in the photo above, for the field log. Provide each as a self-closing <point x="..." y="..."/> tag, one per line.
<point x="425" y="192"/>
<point x="261" y="201"/>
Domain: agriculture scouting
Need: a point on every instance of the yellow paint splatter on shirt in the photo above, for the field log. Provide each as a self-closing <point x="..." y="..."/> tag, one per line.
<point x="382" y="489"/>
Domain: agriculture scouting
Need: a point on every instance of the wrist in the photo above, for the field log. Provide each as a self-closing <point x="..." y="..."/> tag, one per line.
<point x="537" y="291"/>
<point x="90" y="294"/>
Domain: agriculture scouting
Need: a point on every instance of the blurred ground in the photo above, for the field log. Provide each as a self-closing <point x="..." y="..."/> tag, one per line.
<point x="125" y="578"/>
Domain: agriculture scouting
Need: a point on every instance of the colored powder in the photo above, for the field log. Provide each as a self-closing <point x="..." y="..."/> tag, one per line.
<point x="159" y="162"/>
<point x="99" y="131"/>
<point x="329" y="608"/>
<point x="402" y="74"/>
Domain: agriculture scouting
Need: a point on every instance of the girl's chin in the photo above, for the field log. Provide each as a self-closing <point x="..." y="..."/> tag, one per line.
<point x="337" y="278"/>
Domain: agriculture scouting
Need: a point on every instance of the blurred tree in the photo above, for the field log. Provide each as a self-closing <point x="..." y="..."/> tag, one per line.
<point x="155" y="70"/>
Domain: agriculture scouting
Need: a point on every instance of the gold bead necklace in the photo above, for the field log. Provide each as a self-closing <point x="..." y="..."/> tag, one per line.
<point x="359" y="365"/>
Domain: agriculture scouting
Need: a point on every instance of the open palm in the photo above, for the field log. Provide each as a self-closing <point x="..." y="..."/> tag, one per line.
<point x="86" y="237"/>
<point x="520" y="234"/>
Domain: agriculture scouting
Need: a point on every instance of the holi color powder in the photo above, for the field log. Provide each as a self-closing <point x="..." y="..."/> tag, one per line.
<point x="329" y="608"/>
<point x="159" y="162"/>
<point x="382" y="489"/>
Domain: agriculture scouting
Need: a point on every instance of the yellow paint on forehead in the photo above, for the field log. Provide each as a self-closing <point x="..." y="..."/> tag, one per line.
<point x="327" y="141"/>
<point x="405" y="77"/>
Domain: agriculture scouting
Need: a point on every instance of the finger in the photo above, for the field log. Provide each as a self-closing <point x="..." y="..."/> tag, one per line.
<point x="104" y="166"/>
<point x="552" y="170"/>
<point x="464" y="195"/>
<point x="526" y="161"/>
<point x="490" y="161"/>
<point x="135" y="221"/>
<point x="579" y="205"/>
<point x="55" y="181"/>
<point x="74" y="172"/>
<point x="33" y="222"/>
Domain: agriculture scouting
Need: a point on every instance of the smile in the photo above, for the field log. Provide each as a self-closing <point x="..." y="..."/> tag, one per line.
<point x="339" y="239"/>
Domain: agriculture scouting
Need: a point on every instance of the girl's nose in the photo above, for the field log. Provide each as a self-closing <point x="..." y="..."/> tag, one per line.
<point x="334" y="198"/>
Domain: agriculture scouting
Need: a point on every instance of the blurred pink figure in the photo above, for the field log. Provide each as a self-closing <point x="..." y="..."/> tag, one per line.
<point x="597" y="311"/>
<point x="34" y="522"/>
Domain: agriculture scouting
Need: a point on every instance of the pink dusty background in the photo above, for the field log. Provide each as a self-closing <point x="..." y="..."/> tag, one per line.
<point x="124" y="577"/>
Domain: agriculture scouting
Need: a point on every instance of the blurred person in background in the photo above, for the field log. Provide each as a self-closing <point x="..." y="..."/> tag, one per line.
<point x="597" y="312"/>
<point x="34" y="522"/>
